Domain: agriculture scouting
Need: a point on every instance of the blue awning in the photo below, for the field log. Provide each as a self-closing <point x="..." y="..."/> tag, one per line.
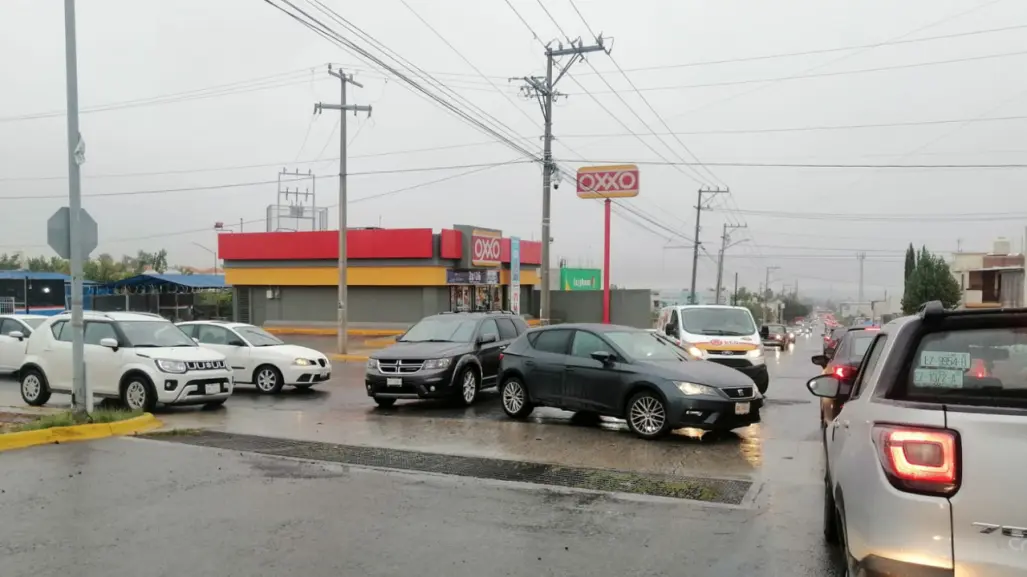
<point x="181" y="281"/>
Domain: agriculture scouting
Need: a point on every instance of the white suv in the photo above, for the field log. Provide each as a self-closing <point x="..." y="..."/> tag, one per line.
<point x="139" y="358"/>
<point x="923" y="459"/>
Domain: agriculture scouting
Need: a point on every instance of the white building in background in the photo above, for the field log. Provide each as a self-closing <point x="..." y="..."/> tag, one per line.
<point x="992" y="279"/>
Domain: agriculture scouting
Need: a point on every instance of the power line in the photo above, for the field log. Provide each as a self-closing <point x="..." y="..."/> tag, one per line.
<point x="741" y="164"/>
<point x="922" y="217"/>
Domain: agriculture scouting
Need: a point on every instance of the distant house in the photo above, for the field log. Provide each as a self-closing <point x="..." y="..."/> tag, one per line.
<point x="990" y="280"/>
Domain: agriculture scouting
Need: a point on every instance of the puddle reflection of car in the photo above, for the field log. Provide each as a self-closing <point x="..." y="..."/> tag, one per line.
<point x="626" y="373"/>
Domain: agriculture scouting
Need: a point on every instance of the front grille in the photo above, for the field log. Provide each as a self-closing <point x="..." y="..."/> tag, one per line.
<point x="725" y="353"/>
<point x="321" y="362"/>
<point x="204" y="365"/>
<point x="739" y="392"/>
<point x="733" y="363"/>
<point x="404" y="366"/>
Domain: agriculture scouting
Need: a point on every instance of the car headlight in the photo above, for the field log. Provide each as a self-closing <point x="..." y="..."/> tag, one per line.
<point x="169" y="366"/>
<point x="302" y="362"/>
<point x="436" y="364"/>
<point x="693" y="389"/>
<point x="372" y="364"/>
<point x="697" y="352"/>
<point x="755" y="353"/>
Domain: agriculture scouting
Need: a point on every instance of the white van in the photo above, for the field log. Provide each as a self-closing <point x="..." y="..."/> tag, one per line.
<point x="722" y="334"/>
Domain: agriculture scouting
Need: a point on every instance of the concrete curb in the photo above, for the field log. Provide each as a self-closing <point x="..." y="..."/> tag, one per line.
<point x="144" y="422"/>
<point x="349" y="358"/>
<point x="310" y="331"/>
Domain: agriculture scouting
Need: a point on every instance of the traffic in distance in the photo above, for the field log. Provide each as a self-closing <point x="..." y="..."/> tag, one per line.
<point x="911" y="413"/>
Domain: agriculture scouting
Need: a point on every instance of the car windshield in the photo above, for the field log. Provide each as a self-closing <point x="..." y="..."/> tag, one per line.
<point x="776" y="329"/>
<point x="645" y="346"/>
<point x="258" y="337"/>
<point x="717" y="321"/>
<point x="155" y="334"/>
<point x="980" y="366"/>
<point x="440" y="330"/>
<point x="33" y="323"/>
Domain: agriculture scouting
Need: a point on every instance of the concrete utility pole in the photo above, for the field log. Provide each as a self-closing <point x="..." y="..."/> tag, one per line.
<point x="710" y="192"/>
<point x="734" y="295"/>
<point x="724" y="238"/>
<point x="861" y="256"/>
<point x="343" y="326"/>
<point x="81" y="400"/>
<point x="766" y="288"/>
<point x="544" y="90"/>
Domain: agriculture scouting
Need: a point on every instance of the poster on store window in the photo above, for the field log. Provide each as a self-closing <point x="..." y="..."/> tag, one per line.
<point x="515" y="275"/>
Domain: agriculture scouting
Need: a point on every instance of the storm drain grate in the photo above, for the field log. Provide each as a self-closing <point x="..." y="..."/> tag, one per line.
<point x="696" y="488"/>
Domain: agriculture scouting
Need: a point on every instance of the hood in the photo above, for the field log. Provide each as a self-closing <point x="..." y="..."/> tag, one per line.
<point x="422" y="351"/>
<point x="698" y="372"/>
<point x="723" y="343"/>
<point x="196" y="353"/>
<point x="290" y="352"/>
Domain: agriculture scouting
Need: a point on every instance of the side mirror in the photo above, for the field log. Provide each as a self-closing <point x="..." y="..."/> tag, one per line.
<point x="826" y="386"/>
<point x="235" y="343"/>
<point x="819" y="360"/>
<point x="764" y="332"/>
<point x="109" y="343"/>
<point x="488" y="338"/>
<point x="17" y="335"/>
<point x="669" y="330"/>
<point x="605" y="357"/>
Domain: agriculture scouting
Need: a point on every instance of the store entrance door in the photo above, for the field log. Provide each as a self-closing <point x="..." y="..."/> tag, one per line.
<point x="475" y="298"/>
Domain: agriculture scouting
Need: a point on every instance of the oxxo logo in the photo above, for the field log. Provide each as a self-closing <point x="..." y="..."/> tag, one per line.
<point x="608" y="181"/>
<point x="484" y="250"/>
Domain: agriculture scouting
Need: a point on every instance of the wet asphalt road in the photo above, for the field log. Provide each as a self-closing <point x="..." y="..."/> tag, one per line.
<point x="242" y="514"/>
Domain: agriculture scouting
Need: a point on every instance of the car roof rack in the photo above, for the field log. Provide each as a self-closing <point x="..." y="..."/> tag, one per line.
<point x="935" y="311"/>
<point x="500" y="312"/>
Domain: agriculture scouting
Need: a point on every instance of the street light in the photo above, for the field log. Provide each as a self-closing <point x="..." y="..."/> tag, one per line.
<point x="211" y="252"/>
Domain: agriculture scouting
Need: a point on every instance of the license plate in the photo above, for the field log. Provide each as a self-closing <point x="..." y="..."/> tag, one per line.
<point x="394" y="382"/>
<point x="214" y="389"/>
<point x="741" y="408"/>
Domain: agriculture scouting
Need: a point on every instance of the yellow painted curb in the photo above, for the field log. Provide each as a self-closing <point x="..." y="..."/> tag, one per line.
<point x="379" y="343"/>
<point x="144" y="422"/>
<point x="350" y="358"/>
<point x="332" y="332"/>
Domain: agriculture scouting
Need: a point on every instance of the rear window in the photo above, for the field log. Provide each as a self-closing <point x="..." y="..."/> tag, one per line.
<point x="838" y="333"/>
<point x="980" y="367"/>
<point x="860" y="343"/>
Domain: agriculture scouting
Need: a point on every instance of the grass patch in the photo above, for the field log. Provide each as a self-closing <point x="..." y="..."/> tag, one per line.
<point x="67" y="419"/>
<point x="176" y="433"/>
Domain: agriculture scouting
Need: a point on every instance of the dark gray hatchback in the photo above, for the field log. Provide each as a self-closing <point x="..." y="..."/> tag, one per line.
<point x="625" y="373"/>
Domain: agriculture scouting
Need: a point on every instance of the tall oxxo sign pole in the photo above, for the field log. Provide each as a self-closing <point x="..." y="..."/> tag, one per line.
<point x="343" y="326"/>
<point x="607" y="183"/>
<point x="71" y="232"/>
<point x="515" y="275"/>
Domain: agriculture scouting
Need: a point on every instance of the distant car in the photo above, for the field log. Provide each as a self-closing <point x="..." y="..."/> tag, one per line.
<point x="921" y="460"/>
<point x="831" y="339"/>
<point x="140" y="358"/>
<point x="775" y="335"/>
<point x="443" y="356"/>
<point x="625" y="373"/>
<point x="12" y="348"/>
<point x="260" y="358"/>
<point x="843" y="365"/>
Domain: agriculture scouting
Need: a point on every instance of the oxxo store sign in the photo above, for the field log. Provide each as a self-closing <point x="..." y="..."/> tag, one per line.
<point x="481" y="247"/>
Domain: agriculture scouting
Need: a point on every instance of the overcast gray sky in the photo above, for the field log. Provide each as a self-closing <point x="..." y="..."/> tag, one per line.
<point x="150" y="66"/>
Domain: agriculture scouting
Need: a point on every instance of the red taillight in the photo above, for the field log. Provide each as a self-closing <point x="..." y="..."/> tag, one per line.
<point x="919" y="460"/>
<point x="500" y="356"/>
<point x="843" y="372"/>
<point x="872" y="328"/>
<point x="978" y="369"/>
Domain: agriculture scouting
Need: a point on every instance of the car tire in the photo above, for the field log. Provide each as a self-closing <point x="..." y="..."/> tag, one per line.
<point x="38" y="389"/>
<point x="384" y="403"/>
<point x="647" y="415"/>
<point x="138" y="393"/>
<point x="516" y="403"/>
<point x="214" y="405"/>
<point x="763" y="383"/>
<point x="470" y="386"/>
<point x="830" y="515"/>
<point x="269" y="379"/>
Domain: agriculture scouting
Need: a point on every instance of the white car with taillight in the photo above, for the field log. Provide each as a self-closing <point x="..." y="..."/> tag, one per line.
<point x="14" y="329"/>
<point x="260" y="358"/>
<point x="921" y="459"/>
<point x="139" y="358"/>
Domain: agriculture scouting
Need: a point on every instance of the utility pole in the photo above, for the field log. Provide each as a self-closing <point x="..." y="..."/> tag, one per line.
<point x="861" y="256"/>
<point x="81" y="400"/>
<point x="766" y="289"/>
<point x="343" y="108"/>
<point x="720" y="260"/>
<point x="544" y="90"/>
<point x="734" y="296"/>
<point x="710" y="192"/>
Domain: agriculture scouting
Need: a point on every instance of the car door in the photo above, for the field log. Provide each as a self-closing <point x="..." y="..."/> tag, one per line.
<point x="587" y="384"/>
<point x="226" y="342"/>
<point x="56" y="356"/>
<point x="11" y="349"/>
<point x="103" y="364"/>
<point x="545" y="365"/>
<point x="838" y="431"/>
<point x="488" y="353"/>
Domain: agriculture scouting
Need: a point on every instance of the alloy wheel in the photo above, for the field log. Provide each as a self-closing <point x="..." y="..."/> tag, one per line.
<point x="135" y="395"/>
<point x="470" y="387"/>
<point x="31" y="387"/>
<point x="513" y="397"/>
<point x="267" y="380"/>
<point x="648" y="415"/>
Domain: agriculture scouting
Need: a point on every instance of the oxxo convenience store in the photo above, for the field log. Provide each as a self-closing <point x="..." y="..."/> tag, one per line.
<point x="394" y="275"/>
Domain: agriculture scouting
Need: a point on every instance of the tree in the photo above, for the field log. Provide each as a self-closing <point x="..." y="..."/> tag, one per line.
<point x="10" y="262"/>
<point x="794" y="308"/>
<point x="931" y="281"/>
<point x="910" y="262"/>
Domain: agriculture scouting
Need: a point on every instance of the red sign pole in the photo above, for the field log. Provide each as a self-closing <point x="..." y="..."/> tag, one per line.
<point x="606" y="264"/>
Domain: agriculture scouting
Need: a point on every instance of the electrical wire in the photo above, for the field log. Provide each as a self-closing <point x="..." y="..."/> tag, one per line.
<point x="740" y="164"/>
<point x="920" y="217"/>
